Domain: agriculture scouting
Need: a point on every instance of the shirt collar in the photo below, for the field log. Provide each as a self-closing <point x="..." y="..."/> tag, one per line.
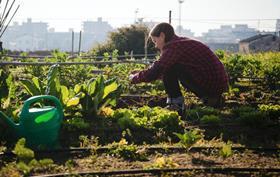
<point x="174" y="38"/>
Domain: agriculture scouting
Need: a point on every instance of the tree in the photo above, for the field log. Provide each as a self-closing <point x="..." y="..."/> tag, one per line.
<point x="127" y="39"/>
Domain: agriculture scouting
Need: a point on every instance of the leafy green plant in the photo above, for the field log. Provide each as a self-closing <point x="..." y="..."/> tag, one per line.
<point x="70" y="164"/>
<point x="97" y="94"/>
<point x="126" y="151"/>
<point x="24" y="168"/>
<point x="235" y="66"/>
<point x="122" y="71"/>
<point x="8" y="92"/>
<point x="199" y="112"/>
<point x="272" y="77"/>
<point x="51" y="86"/>
<point x="7" y="103"/>
<point x="58" y="56"/>
<point x="189" y="137"/>
<point x="253" y="68"/>
<point x="162" y="162"/>
<point x="125" y="119"/>
<point x="226" y="150"/>
<point x="76" y="123"/>
<point x="91" y="142"/>
<point x="210" y="119"/>
<point x="232" y="92"/>
<point x="149" y="118"/>
<point x="41" y="165"/>
<point x="220" y="54"/>
<point x="26" y="162"/>
<point x="24" y="154"/>
<point x="4" y="87"/>
<point x="273" y="111"/>
<point x="10" y="170"/>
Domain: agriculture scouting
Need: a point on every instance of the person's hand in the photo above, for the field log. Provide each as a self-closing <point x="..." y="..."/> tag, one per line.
<point x="132" y="78"/>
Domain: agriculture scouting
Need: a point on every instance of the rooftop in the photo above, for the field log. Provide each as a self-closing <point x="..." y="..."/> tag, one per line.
<point x="253" y="38"/>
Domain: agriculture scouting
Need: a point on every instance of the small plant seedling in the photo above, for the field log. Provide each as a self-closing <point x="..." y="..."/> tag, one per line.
<point x="226" y="150"/>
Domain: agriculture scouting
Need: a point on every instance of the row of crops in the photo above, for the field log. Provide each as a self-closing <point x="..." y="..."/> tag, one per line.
<point x="103" y="110"/>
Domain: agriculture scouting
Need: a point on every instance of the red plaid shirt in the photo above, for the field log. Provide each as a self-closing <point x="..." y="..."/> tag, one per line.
<point x="203" y="65"/>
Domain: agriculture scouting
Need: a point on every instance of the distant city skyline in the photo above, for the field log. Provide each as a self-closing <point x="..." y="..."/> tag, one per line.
<point x="32" y="36"/>
<point x="197" y="15"/>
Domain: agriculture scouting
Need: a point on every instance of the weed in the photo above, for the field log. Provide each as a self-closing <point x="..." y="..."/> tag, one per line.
<point x="10" y="170"/>
<point x="162" y="162"/>
<point x="75" y="124"/>
<point x="226" y="150"/>
<point x="91" y="142"/>
<point x="70" y="164"/>
<point x="126" y="151"/>
<point x="23" y="154"/>
<point x="189" y="138"/>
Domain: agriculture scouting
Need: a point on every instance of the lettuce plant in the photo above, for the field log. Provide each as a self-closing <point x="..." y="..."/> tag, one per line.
<point x="96" y="94"/>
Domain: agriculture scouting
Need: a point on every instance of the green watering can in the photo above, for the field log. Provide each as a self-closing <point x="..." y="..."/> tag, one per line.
<point x="39" y="126"/>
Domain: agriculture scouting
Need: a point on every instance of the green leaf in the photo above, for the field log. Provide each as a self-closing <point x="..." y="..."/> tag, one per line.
<point x="6" y="103"/>
<point x="52" y="73"/>
<point x="57" y="85"/>
<point x="226" y="150"/>
<point x="101" y="87"/>
<point x="110" y="88"/>
<point x="36" y="83"/>
<point x="30" y="87"/>
<point x="53" y="84"/>
<point x="92" y="87"/>
<point x="73" y="101"/>
<point x="64" y="94"/>
<point x="77" y="88"/>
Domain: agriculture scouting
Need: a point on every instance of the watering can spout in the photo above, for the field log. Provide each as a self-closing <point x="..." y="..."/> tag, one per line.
<point x="6" y="121"/>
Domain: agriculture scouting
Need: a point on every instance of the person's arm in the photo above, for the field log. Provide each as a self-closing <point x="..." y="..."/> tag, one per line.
<point x="157" y="69"/>
<point x="148" y="75"/>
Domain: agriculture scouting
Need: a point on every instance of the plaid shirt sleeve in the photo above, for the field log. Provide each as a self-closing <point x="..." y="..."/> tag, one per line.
<point x="158" y="68"/>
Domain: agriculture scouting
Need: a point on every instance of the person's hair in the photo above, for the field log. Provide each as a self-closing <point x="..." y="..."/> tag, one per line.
<point x="165" y="28"/>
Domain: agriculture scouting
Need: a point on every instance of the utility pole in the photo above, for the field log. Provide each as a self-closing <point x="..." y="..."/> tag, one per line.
<point x="170" y="17"/>
<point x="180" y="6"/>
<point x="259" y="22"/>
<point x="72" y="48"/>
<point x="136" y="12"/>
<point x="80" y="43"/>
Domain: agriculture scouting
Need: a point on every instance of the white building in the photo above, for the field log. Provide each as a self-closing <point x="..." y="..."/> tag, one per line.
<point x="228" y="34"/>
<point x="278" y="27"/>
<point x="32" y="36"/>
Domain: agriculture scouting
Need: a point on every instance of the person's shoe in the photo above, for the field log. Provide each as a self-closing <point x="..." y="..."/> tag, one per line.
<point x="180" y="108"/>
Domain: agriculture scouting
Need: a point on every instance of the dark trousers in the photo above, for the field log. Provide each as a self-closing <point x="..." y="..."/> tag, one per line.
<point x="178" y="73"/>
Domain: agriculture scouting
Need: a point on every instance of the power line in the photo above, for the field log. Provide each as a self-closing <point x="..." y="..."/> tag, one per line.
<point x="165" y="17"/>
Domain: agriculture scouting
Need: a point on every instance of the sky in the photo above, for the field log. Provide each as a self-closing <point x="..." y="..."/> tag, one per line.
<point x="197" y="15"/>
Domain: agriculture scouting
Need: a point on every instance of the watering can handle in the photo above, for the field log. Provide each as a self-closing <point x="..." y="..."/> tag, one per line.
<point x="33" y="99"/>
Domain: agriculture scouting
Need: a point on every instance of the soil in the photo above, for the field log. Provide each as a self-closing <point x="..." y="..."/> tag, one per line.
<point x="105" y="162"/>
